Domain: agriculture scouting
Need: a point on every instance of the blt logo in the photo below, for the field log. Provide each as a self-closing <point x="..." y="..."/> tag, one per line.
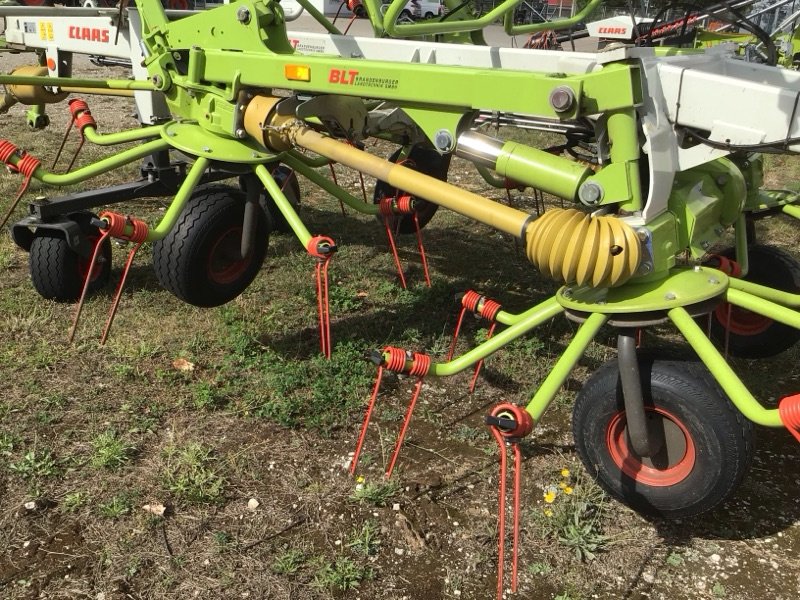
<point x="341" y="76"/>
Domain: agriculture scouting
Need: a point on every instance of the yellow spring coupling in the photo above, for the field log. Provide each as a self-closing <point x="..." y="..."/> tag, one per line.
<point x="571" y="246"/>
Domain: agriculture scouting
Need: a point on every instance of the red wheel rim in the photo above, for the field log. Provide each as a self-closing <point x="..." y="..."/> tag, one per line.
<point x="669" y="466"/>
<point x="742" y="321"/>
<point x="83" y="263"/>
<point x="225" y="263"/>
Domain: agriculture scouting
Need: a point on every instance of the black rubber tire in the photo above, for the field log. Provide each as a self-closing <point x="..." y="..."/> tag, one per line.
<point x="751" y="335"/>
<point x="58" y="272"/>
<point x="424" y="160"/>
<point x="291" y="189"/>
<point x="682" y="398"/>
<point x="191" y="263"/>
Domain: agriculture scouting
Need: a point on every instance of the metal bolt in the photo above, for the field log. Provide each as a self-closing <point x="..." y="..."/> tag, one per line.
<point x="705" y="245"/>
<point x="567" y="292"/>
<point x="241" y="133"/>
<point x="176" y="55"/>
<point x="713" y="281"/>
<point x="644" y="268"/>
<point x="697" y="268"/>
<point x="157" y="80"/>
<point x="243" y="15"/>
<point x="642" y="234"/>
<point x="722" y="180"/>
<point x="590" y="193"/>
<point x="255" y="155"/>
<point x="171" y="134"/>
<point x="443" y="140"/>
<point x="562" y="98"/>
<point x="206" y="149"/>
<point x="669" y="296"/>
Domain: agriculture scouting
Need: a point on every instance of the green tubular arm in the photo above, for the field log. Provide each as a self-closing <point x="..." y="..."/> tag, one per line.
<point x="98" y="168"/>
<point x="121" y="137"/>
<point x="768" y="294"/>
<point x="176" y="206"/>
<point x="330" y="187"/>
<point x="761" y="305"/>
<point x="564" y="365"/>
<point x="791" y="210"/>
<point x="283" y="204"/>
<point x="533" y="317"/>
<point x="105" y="84"/>
<point x="722" y="372"/>
<point x="320" y="18"/>
<point x="396" y="7"/>
<point x="511" y="29"/>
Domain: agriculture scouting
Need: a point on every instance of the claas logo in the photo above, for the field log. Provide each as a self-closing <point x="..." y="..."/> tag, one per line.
<point x="90" y="34"/>
<point x="622" y="30"/>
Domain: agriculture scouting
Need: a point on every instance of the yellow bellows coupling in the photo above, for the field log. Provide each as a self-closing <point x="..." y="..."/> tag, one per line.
<point x="571" y="246"/>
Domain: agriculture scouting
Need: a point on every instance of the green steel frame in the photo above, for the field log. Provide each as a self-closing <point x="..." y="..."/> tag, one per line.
<point x="207" y="63"/>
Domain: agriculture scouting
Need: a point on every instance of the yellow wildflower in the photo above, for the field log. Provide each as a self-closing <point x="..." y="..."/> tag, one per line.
<point x="565" y="472"/>
<point x="549" y="497"/>
<point x="548" y="513"/>
<point x="562" y="485"/>
<point x="568" y="490"/>
<point x="360" y="479"/>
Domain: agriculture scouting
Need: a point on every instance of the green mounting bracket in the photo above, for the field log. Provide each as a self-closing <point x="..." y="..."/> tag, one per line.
<point x="682" y="287"/>
<point x="192" y="139"/>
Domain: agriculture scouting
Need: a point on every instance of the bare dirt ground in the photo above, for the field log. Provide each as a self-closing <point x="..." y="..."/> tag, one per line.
<point x="228" y="419"/>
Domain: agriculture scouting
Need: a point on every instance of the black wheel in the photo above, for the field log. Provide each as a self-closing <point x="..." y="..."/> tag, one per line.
<point x="58" y="272"/>
<point x="429" y="15"/>
<point x="199" y="260"/>
<point x="751" y="335"/>
<point x="287" y="180"/>
<point x="424" y="160"/>
<point x="706" y="445"/>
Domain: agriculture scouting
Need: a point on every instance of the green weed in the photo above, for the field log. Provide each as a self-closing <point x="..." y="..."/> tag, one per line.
<point x="74" y="500"/>
<point x="341" y="575"/>
<point x="35" y="464"/>
<point x="540" y="568"/>
<point x="117" y="507"/>
<point x="572" y="512"/>
<point x="365" y="540"/>
<point x="110" y="451"/>
<point x="288" y="562"/>
<point x="189" y="473"/>
<point x="377" y="494"/>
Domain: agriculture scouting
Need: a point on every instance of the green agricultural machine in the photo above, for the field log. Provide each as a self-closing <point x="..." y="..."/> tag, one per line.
<point x="658" y="171"/>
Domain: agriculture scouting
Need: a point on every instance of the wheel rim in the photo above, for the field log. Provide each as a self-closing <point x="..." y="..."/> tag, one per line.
<point x="83" y="263"/>
<point x="742" y="321"/>
<point x="670" y="465"/>
<point x="225" y="263"/>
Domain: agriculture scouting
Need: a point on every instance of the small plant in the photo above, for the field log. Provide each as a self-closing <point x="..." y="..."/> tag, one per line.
<point x="365" y="540"/>
<point x="718" y="590"/>
<point x="571" y="514"/>
<point x="110" y="451"/>
<point x="540" y="568"/>
<point x="675" y="559"/>
<point x="8" y="442"/>
<point x="35" y="464"/>
<point x="342" y="575"/>
<point x="205" y="396"/>
<point x="190" y="474"/>
<point x="222" y="539"/>
<point x="74" y="500"/>
<point x="289" y="562"/>
<point x="118" y="506"/>
<point x="377" y="494"/>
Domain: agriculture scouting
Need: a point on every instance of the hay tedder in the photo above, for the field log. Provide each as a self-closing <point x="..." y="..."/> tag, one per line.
<point x="658" y="168"/>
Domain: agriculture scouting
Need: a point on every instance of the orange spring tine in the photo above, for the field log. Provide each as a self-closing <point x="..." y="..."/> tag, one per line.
<point x="118" y="294"/>
<point x="92" y="263"/>
<point x="501" y="513"/>
<point x="422" y="256"/>
<point x="395" y="255"/>
<point x="404" y="428"/>
<point x="367" y="416"/>
<point x="479" y="365"/>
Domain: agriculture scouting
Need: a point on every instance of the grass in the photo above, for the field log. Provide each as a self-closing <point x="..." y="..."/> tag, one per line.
<point x="341" y="575"/>
<point x="190" y="473"/>
<point x="375" y="494"/>
<point x="110" y="451"/>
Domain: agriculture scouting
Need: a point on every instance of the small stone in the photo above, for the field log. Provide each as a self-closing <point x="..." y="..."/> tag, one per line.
<point x="715" y="558"/>
<point x="338" y="542"/>
<point x="30" y="505"/>
<point x="253" y="504"/>
<point x="396" y="506"/>
<point x="399" y="551"/>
